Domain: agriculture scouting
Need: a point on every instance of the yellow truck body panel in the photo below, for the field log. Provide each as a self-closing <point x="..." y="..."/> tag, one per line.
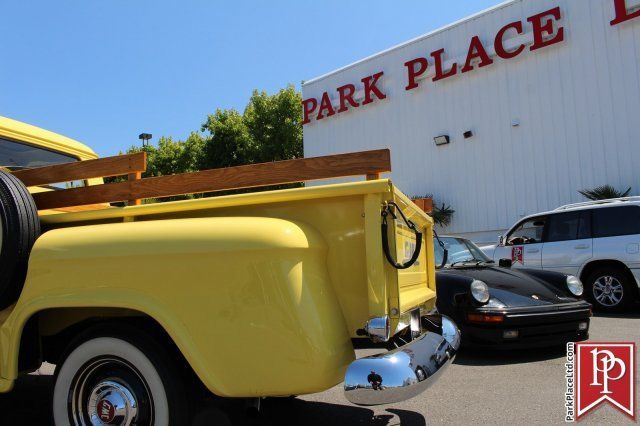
<point x="23" y="132"/>
<point x="261" y="292"/>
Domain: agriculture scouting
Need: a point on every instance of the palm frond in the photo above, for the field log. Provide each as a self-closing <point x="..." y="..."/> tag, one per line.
<point x="603" y="192"/>
<point x="442" y="214"/>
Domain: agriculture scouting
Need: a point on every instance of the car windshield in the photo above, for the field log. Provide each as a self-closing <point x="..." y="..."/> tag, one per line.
<point x="460" y="251"/>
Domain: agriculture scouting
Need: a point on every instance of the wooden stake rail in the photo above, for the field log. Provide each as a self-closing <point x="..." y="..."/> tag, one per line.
<point x="368" y="163"/>
<point x="103" y="167"/>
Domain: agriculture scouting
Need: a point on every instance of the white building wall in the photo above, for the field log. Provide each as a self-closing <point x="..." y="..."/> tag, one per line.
<point x="577" y="104"/>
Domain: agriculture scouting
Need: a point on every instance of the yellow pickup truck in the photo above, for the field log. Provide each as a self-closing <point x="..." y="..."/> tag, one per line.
<point x="252" y="295"/>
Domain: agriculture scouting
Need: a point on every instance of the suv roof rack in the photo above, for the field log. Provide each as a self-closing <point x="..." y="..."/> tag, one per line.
<point x="597" y="202"/>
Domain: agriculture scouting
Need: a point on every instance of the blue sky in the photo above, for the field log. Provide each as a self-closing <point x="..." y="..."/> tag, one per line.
<point x="104" y="71"/>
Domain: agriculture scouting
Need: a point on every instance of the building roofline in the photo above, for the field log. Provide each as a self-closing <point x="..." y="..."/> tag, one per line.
<point x="412" y="41"/>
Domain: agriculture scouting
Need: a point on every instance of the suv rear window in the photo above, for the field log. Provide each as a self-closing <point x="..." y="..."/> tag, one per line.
<point x="568" y="226"/>
<point x="614" y="221"/>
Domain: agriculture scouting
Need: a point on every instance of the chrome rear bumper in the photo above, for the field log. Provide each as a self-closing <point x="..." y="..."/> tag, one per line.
<point x="405" y="372"/>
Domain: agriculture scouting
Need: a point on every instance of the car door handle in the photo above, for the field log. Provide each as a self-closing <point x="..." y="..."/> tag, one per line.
<point x="582" y="246"/>
<point x="533" y="250"/>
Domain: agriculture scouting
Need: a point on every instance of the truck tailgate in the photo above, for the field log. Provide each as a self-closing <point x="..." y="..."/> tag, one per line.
<point x="415" y="285"/>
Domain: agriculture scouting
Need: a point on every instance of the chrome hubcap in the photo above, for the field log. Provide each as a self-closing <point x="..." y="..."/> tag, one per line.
<point x="112" y="403"/>
<point x="608" y="291"/>
<point x="109" y="391"/>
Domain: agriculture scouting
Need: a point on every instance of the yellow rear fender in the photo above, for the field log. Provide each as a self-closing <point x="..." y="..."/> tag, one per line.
<point x="247" y="300"/>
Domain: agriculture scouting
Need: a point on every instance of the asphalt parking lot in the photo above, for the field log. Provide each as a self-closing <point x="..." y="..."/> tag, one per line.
<point x="492" y="388"/>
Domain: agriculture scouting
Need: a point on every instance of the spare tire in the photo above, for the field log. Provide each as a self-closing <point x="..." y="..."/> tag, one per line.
<point x="20" y="226"/>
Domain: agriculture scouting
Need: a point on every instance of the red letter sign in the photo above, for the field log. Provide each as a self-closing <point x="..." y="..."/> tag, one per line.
<point x="370" y="87"/>
<point x="440" y="74"/>
<point x="325" y="104"/>
<point x="622" y="15"/>
<point x="346" y="95"/>
<point x="414" y="72"/>
<point x="499" y="43"/>
<point x="476" y="50"/>
<point x="540" y="30"/>
<point x="308" y="106"/>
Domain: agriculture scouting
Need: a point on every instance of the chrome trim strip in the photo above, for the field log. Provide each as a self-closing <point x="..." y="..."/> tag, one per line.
<point x="405" y="372"/>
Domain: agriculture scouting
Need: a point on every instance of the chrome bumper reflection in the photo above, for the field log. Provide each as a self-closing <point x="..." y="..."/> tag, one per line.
<point x="405" y="372"/>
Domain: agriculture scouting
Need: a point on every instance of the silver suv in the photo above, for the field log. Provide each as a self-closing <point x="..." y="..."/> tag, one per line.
<point x="598" y="241"/>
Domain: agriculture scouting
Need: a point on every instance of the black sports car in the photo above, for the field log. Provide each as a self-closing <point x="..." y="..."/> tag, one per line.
<point x="495" y="305"/>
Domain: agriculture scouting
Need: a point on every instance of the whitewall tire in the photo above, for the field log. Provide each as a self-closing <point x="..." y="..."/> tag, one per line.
<point x="110" y="380"/>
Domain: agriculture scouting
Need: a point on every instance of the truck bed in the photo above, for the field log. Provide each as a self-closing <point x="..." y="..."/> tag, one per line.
<point x="347" y="216"/>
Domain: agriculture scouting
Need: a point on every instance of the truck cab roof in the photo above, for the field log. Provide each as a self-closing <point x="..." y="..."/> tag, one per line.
<point x="23" y="132"/>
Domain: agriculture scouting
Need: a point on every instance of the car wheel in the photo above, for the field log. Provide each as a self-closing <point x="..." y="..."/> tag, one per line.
<point x="19" y="229"/>
<point x="610" y="289"/>
<point x="118" y="380"/>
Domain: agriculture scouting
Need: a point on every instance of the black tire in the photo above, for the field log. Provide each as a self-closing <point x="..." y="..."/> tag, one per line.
<point x="20" y="227"/>
<point x="610" y="289"/>
<point x="136" y="363"/>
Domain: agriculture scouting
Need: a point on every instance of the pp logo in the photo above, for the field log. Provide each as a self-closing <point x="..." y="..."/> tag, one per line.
<point x="604" y="372"/>
<point x="517" y="254"/>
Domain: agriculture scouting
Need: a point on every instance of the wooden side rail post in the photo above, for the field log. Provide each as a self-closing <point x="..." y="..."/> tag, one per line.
<point x="132" y="177"/>
<point x="368" y="163"/>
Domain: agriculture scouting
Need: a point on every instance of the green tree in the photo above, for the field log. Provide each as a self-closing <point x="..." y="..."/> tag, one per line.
<point x="275" y="124"/>
<point x="228" y="143"/>
<point x="171" y="157"/>
<point x="604" y="192"/>
<point x="270" y="129"/>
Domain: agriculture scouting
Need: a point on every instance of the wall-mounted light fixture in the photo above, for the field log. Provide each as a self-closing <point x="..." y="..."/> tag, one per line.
<point x="441" y="140"/>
